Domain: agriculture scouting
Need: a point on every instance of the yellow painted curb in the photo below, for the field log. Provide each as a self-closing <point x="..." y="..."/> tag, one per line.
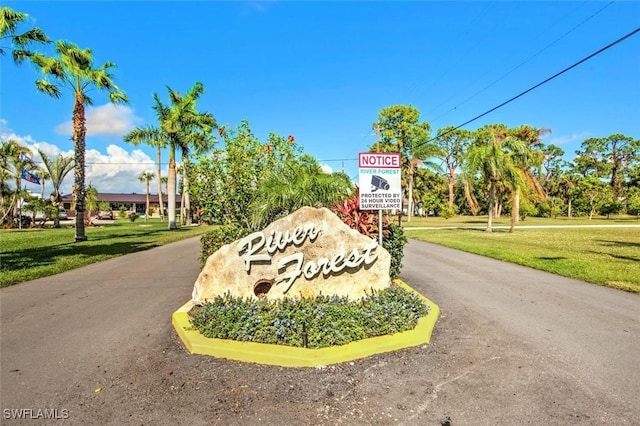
<point x="288" y="356"/>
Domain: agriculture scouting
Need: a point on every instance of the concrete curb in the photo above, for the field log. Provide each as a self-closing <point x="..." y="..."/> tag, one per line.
<point x="287" y="356"/>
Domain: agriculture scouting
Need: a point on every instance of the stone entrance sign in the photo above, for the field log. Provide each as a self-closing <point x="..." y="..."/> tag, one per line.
<point x="307" y="253"/>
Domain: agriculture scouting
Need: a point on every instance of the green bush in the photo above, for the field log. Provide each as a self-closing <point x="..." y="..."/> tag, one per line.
<point x="319" y="322"/>
<point x="448" y="212"/>
<point x="394" y="243"/>
<point x="133" y="216"/>
<point x="122" y="212"/>
<point x="213" y="240"/>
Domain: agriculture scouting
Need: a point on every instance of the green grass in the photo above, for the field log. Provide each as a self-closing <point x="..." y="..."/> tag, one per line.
<point x="29" y="254"/>
<point x="604" y="256"/>
<point x="481" y="221"/>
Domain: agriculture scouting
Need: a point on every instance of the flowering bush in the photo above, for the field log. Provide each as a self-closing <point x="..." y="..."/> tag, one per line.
<point x="312" y="322"/>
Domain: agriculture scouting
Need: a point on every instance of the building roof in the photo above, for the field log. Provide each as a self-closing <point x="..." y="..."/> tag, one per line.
<point x="124" y="198"/>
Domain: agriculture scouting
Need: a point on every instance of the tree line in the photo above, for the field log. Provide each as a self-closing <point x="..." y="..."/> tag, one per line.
<point x="491" y="170"/>
<point x="496" y="169"/>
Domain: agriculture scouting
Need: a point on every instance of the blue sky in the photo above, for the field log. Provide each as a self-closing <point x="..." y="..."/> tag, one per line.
<point x="321" y="71"/>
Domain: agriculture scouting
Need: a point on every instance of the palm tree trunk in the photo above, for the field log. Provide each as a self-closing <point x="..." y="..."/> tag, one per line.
<point x="146" y="212"/>
<point x="515" y="208"/>
<point x="171" y="190"/>
<point x="160" y="203"/>
<point x="185" y="193"/>
<point x="492" y="198"/>
<point x="79" y="132"/>
<point x="410" y="208"/>
<point x="451" y="193"/>
<point x="569" y="207"/>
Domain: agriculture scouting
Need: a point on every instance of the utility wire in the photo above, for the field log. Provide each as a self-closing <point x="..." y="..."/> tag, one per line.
<point x="535" y="87"/>
<point x="523" y="63"/>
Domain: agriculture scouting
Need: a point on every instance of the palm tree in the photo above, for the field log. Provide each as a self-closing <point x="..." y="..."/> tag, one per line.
<point x="9" y="21"/>
<point x="72" y="68"/>
<point x="14" y="161"/>
<point x="146" y="178"/>
<point x="58" y="169"/>
<point x="178" y="121"/>
<point x="299" y="184"/>
<point x="201" y="141"/>
<point x="526" y="159"/>
<point x="491" y="156"/>
<point x="91" y="202"/>
<point x="153" y="137"/>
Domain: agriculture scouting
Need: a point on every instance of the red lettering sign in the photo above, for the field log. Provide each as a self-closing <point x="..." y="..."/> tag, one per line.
<point x="386" y="160"/>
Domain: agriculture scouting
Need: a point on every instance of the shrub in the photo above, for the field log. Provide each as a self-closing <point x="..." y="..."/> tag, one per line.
<point x="363" y="221"/>
<point x="394" y="243"/>
<point x="448" y="212"/>
<point x="133" y="216"/>
<point x="366" y="222"/>
<point x="312" y="322"/>
<point x="213" y="240"/>
<point x="122" y="212"/>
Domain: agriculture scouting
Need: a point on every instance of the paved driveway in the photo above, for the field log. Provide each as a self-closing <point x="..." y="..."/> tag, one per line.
<point x="513" y="346"/>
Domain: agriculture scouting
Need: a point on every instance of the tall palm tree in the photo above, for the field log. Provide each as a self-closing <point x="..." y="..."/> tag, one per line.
<point x="57" y="168"/>
<point x="177" y="120"/>
<point x="528" y="158"/>
<point x="146" y="178"/>
<point x="9" y="21"/>
<point x="153" y="137"/>
<point x="72" y="68"/>
<point x="491" y="156"/>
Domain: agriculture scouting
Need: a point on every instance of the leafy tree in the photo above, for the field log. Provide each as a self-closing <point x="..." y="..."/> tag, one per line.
<point x="226" y="181"/>
<point x="201" y="142"/>
<point x="452" y="145"/>
<point x="57" y="169"/>
<point x="20" y="42"/>
<point x="146" y="177"/>
<point x="179" y="121"/>
<point x="608" y="157"/>
<point x="552" y="165"/>
<point x="594" y="192"/>
<point x="72" y="68"/>
<point x="401" y="132"/>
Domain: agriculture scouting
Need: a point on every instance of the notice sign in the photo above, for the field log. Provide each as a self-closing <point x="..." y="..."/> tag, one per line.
<point x="379" y="180"/>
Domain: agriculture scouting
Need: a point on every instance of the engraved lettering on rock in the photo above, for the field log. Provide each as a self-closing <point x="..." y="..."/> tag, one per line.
<point x="254" y="243"/>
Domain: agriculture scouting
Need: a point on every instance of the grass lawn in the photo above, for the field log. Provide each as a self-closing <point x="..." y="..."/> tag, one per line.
<point x="35" y="253"/>
<point x="604" y="256"/>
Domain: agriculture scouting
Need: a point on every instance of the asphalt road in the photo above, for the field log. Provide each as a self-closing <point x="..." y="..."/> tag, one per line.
<point x="513" y="346"/>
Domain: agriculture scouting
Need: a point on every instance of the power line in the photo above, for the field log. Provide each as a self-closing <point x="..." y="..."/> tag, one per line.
<point x="523" y="63"/>
<point x="536" y="86"/>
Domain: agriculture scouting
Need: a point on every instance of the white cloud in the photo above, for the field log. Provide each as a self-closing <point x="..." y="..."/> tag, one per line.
<point x="564" y="140"/>
<point x="115" y="170"/>
<point x="326" y="168"/>
<point x="108" y="119"/>
<point x="118" y="169"/>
